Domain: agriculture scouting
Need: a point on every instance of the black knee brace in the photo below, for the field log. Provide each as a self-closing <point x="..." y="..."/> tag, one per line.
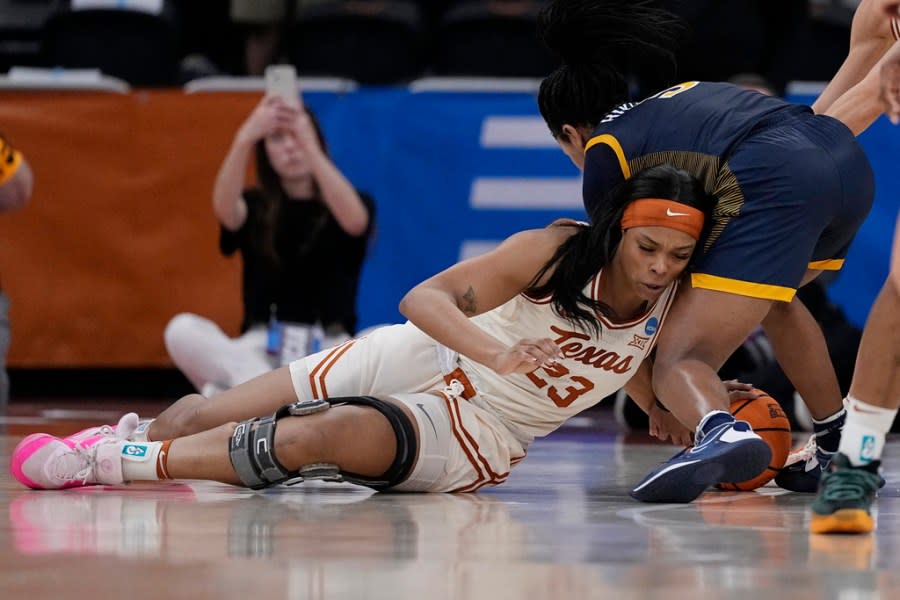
<point x="251" y="447"/>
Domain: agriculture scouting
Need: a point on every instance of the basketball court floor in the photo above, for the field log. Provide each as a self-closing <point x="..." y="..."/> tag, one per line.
<point x="562" y="526"/>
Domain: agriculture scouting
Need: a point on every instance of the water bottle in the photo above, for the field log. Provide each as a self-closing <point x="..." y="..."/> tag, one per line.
<point x="274" y="334"/>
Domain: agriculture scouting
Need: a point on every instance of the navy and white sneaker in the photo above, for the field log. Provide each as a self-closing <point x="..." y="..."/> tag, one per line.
<point x="803" y="468"/>
<point x="730" y="453"/>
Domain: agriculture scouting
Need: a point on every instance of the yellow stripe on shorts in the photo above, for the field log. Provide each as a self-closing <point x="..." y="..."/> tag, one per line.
<point x="764" y="291"/>
<point x="833" y="264"/>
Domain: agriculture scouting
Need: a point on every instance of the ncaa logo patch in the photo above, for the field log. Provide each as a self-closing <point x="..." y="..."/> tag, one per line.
<point x="134" y="451"/>
<point x="651" y="326"/>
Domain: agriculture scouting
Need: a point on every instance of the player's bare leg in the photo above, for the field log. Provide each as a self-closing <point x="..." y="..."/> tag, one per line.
<point x="366" y="437"/>
<point x="801" y="351"/>
<point x="875" y="378"/>
<point x="194" y="413"/>
<point x="356" y="438"/>
<point x="846" y="492"/>
<point x="797" y="339"/>
<point x="703" y="329"/>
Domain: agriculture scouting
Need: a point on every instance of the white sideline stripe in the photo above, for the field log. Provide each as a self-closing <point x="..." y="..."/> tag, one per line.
<point x="472" y="248"/>
<point x="525" y="193"/>
<point x="516" y="132"/>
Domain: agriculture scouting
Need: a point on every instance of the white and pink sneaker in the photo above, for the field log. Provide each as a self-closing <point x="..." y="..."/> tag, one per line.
<point x="45" y="462"/>
<point x="91" y="456"/>
<point x="124" y="429"/>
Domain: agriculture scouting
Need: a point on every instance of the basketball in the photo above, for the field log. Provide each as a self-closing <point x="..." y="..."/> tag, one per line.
<point x="768" y="420"/>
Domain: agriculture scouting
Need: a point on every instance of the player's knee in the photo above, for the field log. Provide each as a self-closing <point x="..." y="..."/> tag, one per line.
<point x="261" y="458"/>
<point x="308" y="441"/>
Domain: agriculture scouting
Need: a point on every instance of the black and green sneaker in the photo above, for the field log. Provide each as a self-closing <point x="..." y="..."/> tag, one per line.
<point x="845" y="497"/>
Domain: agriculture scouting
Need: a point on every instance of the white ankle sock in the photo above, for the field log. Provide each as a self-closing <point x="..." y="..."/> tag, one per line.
<point x="139" y="461"/>
<point x="862" y="439"/>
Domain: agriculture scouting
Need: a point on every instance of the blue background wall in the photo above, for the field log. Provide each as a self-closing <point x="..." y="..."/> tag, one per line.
<point x="431" y="159"/>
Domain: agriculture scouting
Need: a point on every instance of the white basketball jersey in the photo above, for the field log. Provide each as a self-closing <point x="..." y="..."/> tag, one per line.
<point x="592" y="366"/>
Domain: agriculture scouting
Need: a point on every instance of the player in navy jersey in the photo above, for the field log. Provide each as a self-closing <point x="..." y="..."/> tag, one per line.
<point x="793" y="187"/>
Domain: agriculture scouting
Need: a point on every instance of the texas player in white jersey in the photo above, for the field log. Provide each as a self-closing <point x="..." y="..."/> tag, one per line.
<point x="590" y="368"/>
<point x="484" y="420"/>
<point x="498" y="350"/>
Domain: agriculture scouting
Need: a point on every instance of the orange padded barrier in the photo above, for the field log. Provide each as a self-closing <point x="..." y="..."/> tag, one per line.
<point x="120" y="234"/>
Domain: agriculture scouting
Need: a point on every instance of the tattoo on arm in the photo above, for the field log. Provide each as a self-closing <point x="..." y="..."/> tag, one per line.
<point x="468" y="305"/>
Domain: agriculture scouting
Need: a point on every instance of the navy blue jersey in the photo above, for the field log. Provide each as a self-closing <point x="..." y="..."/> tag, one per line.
<point x="693" y="126"/>
<point x="791" y="187"/>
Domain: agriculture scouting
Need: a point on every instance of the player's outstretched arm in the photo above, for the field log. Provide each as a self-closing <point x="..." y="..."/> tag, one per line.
<point x="442" y="305"/>
<point x="228" y="203"/>
<point x="867" y="100"/>
<point x="871" y="36"/>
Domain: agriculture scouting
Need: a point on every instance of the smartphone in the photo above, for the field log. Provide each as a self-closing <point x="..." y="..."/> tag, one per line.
<point x="281" y="80"/>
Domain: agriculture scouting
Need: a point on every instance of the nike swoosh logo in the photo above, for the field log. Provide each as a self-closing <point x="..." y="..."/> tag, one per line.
<point x="162" y="462"/>
<point x="670" y="213"/>
<point x="708" y="439"/>
<point x="669" y="468"/>
<point x="427" y="416"/>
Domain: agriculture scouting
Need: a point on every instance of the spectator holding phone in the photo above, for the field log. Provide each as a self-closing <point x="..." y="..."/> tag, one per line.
<point x="302" y="232"/>
<point x="16" y="182"/>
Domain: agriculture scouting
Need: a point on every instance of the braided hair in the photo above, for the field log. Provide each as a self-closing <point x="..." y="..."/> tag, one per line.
<point x="605" y="46"/>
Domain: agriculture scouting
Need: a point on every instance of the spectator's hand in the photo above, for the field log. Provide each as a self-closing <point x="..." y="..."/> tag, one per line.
<point x="527" y="355"/>
<point x="664" y="425"/>
<point x="270" y="114"/>
<point x="890" y="86"/>
<point x="306" y="135"/>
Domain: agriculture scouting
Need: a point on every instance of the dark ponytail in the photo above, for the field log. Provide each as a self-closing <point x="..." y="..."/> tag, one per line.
<point x="604" y="45"/>
<point x="581" y="256"/>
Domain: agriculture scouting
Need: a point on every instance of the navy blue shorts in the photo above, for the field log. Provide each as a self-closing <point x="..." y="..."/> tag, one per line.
<point x="807" y="188"/>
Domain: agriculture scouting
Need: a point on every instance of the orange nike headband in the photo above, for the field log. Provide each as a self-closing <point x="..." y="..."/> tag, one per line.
<point x="656" y="212"/>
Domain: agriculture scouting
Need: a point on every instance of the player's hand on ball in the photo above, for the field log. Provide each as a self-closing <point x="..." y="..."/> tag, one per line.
<point x="738" y="390"/>
<point x="526" y="355"/>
